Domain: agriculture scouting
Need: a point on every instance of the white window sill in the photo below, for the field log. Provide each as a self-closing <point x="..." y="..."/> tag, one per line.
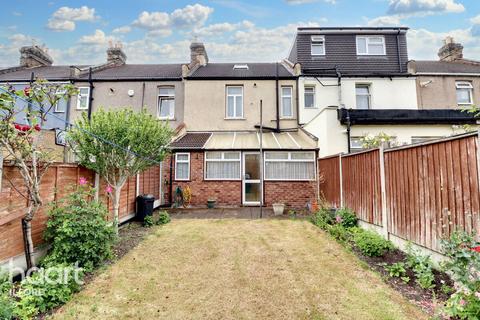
<point x="78" y="109"/>
<point x="234" y="119"/>
<point x="163" y="119"/>
<point x="310" y="108"/>
<point x="287" y="118"/>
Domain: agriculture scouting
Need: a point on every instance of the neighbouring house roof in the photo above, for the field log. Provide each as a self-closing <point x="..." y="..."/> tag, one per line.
<point x="254" y="71"/>
<point x="25" y="74"/>
<point x="291" y="140"/>
<point x="443" y="67"/>
<point x="191" y="141"/>
<point x="138" y="72"/>
<point x="404" y="116"/>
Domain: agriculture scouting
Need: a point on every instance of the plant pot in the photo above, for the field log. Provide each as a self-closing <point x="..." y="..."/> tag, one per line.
<point x="211" y="203"/>
<point x="278" y="208"/>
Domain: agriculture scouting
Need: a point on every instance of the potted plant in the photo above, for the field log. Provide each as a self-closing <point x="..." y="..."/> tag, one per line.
<point x="211" y="203"/>
<point x="278" y="208"/>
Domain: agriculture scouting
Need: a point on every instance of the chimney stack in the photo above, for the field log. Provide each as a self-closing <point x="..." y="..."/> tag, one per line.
<point x="198" y="55"/>
<point x="450" y="51"/>
<point x="116" y="55"/>
<point x="34" y="56"/>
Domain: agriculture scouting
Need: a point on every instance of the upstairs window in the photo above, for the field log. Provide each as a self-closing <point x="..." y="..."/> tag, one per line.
<point x="370" y="46"/>
<point x="464" y="92"/>
<point x="318" y="45"/>
<point x="166" y="103"/>
<point x="61" y="105"/>
<point x="309" y="97"/>
<point x="83" y="97"/>
<point x="287" y="109"/>
<point x="362" y="92"/>
<point x="234" y="102"/>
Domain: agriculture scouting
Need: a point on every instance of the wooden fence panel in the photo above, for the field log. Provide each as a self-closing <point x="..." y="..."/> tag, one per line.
<point x="361" y="185"/>
<point x="329" y="180"/>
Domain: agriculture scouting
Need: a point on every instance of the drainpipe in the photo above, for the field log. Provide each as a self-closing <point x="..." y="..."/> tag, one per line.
<point x="143" y="96"/>
<point x="348" y="130"/>
<point x="398" y="52"/>
<point x="277" y="99"/>
<point x="90" y="97"/>
<point x="170" y="192"/>
<point x="339" y="84"/>
<point x="297" y="100"/>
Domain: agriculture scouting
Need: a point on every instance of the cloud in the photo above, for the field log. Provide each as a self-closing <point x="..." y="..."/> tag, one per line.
<point x="65" y="17"/>
<point x="9" y="52"/>
<point x="97" y="38"/>
<point x="219" y="29"/>
<point x="162" y="23"/>
<point x="424" y="7"/>
<point x="17" y="14"/>
<point x="299" y="2"/>
<point x="384" y="21"/>
<point x="124" y="29"/>
<point x="245" y="8"/>
<point x="475" y="20"/>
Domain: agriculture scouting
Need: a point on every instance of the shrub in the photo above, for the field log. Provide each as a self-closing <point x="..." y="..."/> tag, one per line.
<point x="148" y="221"/>
<point x="78" y="231"/>
<point x="322" y="218"/>
<point x="163" y="218"/>
<point x="47" y="289"/>
<point x="7" y="303"/>
<point x="464" y="268"/>
<point x="396" y="269"/>
<point x="422" y="267"/>
<point x="371" y="243"/>
<point x="346" y="217"/>
<point x="340" y="233"/>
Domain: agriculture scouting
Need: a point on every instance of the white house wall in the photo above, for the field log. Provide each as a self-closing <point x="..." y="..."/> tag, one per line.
<point x="386" y="93"/>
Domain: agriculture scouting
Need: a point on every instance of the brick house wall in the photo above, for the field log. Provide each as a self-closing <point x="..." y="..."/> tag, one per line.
<point x="295" y="194"/>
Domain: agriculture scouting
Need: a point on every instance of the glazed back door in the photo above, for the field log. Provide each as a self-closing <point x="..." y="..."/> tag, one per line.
<point x="252" y="190"/>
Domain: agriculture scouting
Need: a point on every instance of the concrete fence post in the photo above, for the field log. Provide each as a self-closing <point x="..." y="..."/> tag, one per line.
<point x="97" y="186"/>
<point x="383" y="192"/>
<point x="341" y="179"/>
<point x="137" y="185"/>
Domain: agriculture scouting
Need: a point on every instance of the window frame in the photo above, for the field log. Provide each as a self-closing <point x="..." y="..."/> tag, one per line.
<point x="369" y="95"/>
<point x="317" y="41"/>
<point x="314" y="97"/>
<point x="182" y="161"/>
<point x="283" y="116"/>
<point x="234" y="101"/>
<point x="87" y="95"/>
<point x="358" y="140"/>
<point x="55" y="109"/>
<point x="205" y="160"/>
<point x="160" y="97"/>
<point x="289" y="159"/>
<point x="424" y="139"/>
<point x="367" y="40"/>
<point x="464" y="85"/>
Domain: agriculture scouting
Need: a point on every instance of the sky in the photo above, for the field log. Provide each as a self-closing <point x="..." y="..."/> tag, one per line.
<point x="157" y="31"/>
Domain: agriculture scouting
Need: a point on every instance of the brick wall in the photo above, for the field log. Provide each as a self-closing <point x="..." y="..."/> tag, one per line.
<point x="295" y="194"/>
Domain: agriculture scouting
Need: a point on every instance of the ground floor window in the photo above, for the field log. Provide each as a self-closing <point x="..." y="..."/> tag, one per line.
<point x="356" y="144"/>
<point x="182" y="166"/>
<point x="420" y="139"/>
<point x="222" y="165"/>
<point x="283" y="165"/>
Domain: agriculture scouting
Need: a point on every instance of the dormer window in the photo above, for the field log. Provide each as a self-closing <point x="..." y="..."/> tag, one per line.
<point x="371" y="46"/>
<point x="240" y="67"/>
<point x="318" y="45"/>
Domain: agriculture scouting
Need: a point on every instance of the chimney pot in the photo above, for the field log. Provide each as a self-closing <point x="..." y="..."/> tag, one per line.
<point x="116" y="55"/>
<point x="450" y="51"/>
<point x="198" y="54"/>
<point x="34" y="56"/>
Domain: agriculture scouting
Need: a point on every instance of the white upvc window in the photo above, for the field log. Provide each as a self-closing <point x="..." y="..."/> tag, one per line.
<point x="309" y="97"/>
<point x="287" y="102"/>
<point x="222" y="165"/>
<point x="362" y="95"/>
<point x="421" y="139"/>
<point x="371" y="46"/>
<point x="182" y="166"/>
<point x="166" y="103"/>
<point x="234" y="101"/>
<point x="318" y="45"/>
<point x="356" y="144"/>
<point x="284" y="165"/>
<point x="61" y="105"/>
<point x="83" y="98"/>
<point x="464" y="92"/>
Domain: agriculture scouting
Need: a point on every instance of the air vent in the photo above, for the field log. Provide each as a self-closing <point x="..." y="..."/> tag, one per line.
<point x="240" y="67"/>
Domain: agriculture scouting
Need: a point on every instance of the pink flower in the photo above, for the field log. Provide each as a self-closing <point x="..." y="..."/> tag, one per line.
<point x="82" y="181"/>
<point x="462" y="302"/>
<point x="338" y="219"/>
<point x="477" y="294"/>
<point x="108" y="189"/>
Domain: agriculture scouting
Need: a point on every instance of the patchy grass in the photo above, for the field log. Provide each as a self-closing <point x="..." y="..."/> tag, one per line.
<point x="238" y="269"/>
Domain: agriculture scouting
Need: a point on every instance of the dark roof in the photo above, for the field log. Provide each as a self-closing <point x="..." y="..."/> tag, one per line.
<point x="254" y="71"/>
<point x="50" y="73"/>
<point x="138" y="71"/>
<point x="191" y="141"/>
<point x="341" y="51"/>
<point x="405" y="116"/>
<point x="446" y="67"/>
<point x="353" y="29"/>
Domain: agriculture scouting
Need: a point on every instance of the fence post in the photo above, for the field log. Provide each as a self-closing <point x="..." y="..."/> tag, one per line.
<point x="97" y="185"/>
<point x="1" y="170"/>
<point x="341" y="179"/>
<point x="137" y="185"/>
<point x="383" y="192"/>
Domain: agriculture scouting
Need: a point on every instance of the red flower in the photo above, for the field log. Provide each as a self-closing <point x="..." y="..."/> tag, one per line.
<point x="26" y="91"/>
<point x="476" y="249"/>
<point x="37" y="127"/>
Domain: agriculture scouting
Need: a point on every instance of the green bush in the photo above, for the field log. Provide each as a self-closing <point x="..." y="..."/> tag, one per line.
<point x="323" y="218"/>
<point x="422" y="267"/>
<point x="163" y="218"/>
<point x="371" y="243"/>
<point x="7" y="304"/>
<point x="47" y="289"/>
<point x="340" y="233"/>
<point x="148" y="221"/>
<point x="396" y="270"/>
<point x="78" y="231"/>
<point x="346" y="218"/>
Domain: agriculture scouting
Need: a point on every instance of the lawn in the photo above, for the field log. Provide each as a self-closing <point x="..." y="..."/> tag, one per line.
<point x="238" y="269"/>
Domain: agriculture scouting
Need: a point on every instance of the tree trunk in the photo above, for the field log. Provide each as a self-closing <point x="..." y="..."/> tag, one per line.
<point x="28" y="242"/>
<point x="116" y="206"/>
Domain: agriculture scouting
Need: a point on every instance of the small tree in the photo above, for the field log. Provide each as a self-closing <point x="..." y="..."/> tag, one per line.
<point x="374" y="141"/>
<point x="20" y="137"/>
<point x="118" y="145"/>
